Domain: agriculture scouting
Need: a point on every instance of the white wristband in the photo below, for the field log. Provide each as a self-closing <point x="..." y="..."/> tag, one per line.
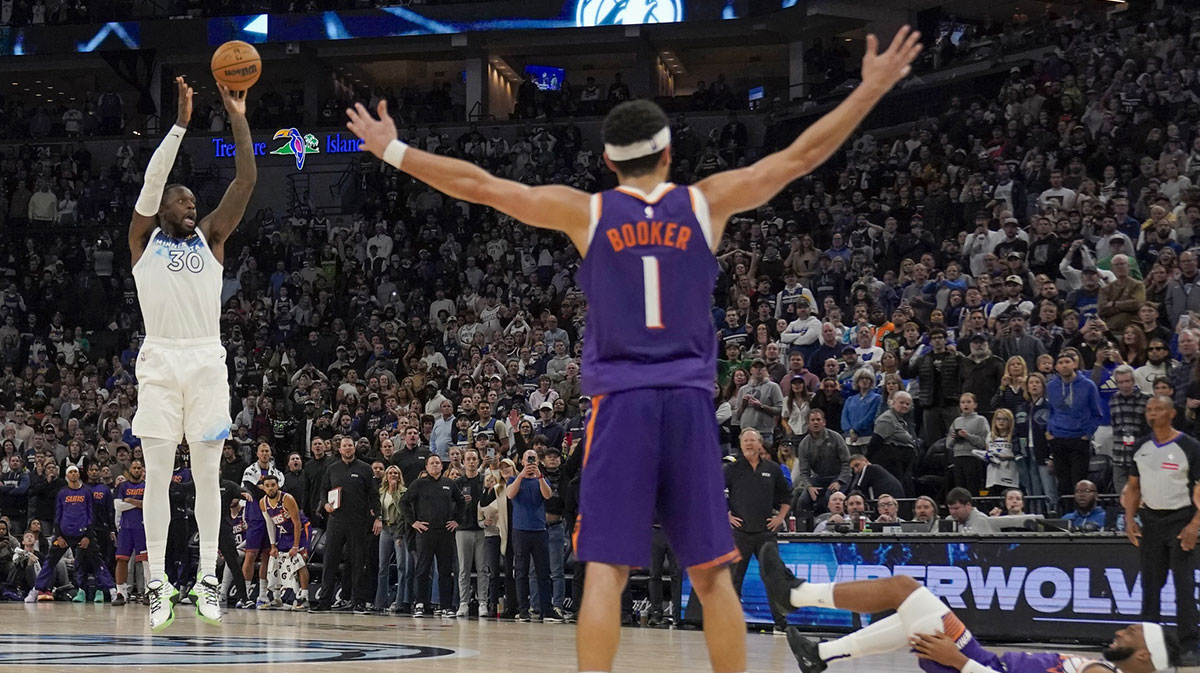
<point x="394" y="154"/>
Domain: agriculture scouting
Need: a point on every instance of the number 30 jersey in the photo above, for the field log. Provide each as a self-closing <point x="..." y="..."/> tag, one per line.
<point x="179" y="287"/>
<point x="648" y="276"/>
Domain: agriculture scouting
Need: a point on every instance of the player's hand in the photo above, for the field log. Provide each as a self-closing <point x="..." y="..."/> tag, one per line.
<point x="235" y="101"/>
<point x="376" y="134"/>
<point x="882" y="71"/>
<point x="939" y="648"/>
<point x="184" y="94"/>
<point x="274" y="551"/>
<point x="1133" y="531"/>
<point x="60" y="542"/>
<point x="83" y="544"/>
<point x="451" y="526"/>
<point x="1187" y="536"/>
<point x="420" y="526"/>
<point x="734" y="521"/>
<point x="377" y="527"/>
<point x="775" y="522"/>
<point x="294" y="550"/>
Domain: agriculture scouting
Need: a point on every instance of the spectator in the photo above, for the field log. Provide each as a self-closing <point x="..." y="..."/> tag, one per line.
<point x="1088" y="515"/>
<point x="860" y="410"/>
<point x="1121" y="298"/>
<point x="759" y="403"/>
<point x="1127" y="408"/>
<point x="1074" y="416"/>
<point x="968" y="434"/>
<point x="528" y="490"/>
<point x="888" y="509"/>
<point x="938" y="375"/>
<point x="963" y="512"/>
<point x="469" y="537"/>
<point x="393" y="546"/>
<point x="824" y="465"/>
<point x="1179" y="294"/>
<point x="981" y="372"/>
<point x="999" y="455"/>
<point x="894" y="444"/>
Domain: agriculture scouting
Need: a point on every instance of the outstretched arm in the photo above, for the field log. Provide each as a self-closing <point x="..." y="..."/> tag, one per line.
<point x="748" y="188"/>
<point x="220" y="223"/>
<point x="146" y="208"/>
<point x="555" y="207"/>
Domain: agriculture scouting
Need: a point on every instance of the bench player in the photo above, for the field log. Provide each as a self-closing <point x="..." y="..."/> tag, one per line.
<point x="289" y="533"/>
<point x="183" y="388"/>
<point x="131" y="533"/>
<point x="649" y="358"/>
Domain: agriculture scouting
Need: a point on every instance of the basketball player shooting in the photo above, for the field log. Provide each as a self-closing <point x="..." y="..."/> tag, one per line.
<point x="182" y="379"/>
<point x="649" y="358"/>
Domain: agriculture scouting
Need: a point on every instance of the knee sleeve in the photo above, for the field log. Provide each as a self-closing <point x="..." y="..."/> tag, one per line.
<point x="922" y="612"/>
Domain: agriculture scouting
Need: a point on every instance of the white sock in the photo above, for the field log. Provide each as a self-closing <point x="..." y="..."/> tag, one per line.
<point x="813" y="595"/>
<point x="156" y="512"/>
<point x="206" y="472"/>
<point x="303" y="594"/>
<point x="145" y="566"/>
<point x="123" y="589"/>
<point x="886" y="635"/>
<point x="249" y="587"/>
<point x="262" y="589"/>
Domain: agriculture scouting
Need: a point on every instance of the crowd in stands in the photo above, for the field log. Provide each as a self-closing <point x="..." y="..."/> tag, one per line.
<point x="980" y="306"/>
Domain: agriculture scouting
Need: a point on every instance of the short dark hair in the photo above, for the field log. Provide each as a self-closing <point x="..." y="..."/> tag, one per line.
<point x="269" y="477"/>
<point x="631" y="122"/>
<point x="958" y="496"/>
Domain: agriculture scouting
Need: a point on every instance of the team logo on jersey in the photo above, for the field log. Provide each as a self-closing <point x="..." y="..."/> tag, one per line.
<point x="83" y="650"/>
<point x="627" y="12"/>
<point x="297" y="145"/>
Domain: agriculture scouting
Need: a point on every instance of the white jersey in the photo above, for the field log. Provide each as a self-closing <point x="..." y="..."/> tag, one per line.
<point x="179" y="287"/>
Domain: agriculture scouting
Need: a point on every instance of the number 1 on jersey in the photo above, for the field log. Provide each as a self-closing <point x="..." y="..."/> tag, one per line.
<point x="653" y="295"/>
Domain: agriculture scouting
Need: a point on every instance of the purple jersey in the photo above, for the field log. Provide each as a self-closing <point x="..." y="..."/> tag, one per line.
<point x="648" y="276"/>
<point x="131" y="517"/>
<point x="73" y="511"/>
<point x="278" y="516"/>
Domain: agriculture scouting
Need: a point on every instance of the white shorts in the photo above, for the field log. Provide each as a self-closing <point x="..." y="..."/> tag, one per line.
<point x="183" y="390"/>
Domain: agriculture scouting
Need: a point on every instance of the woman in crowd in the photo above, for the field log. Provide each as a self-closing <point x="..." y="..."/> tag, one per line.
<point x="393" y="545"/>
<point x="795" y="409"/>
<point x="1012" y="385"/>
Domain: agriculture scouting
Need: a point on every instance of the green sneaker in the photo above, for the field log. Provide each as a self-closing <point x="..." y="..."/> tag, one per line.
<point x="80" y="596"/>
<point x="205" y="595"/>
<point x="99" y="597"/>
<point x="162" y="604"/>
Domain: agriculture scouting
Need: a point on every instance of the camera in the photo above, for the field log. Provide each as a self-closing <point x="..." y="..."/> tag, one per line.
<point x="530" y="460"/>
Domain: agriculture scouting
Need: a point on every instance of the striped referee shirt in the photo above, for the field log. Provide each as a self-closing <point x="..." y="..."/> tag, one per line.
<point x="1128" y="423"/>
<point x="1167" y="471"/>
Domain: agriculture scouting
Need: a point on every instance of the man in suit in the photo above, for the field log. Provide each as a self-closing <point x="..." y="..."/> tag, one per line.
<point x="872" y="480"/>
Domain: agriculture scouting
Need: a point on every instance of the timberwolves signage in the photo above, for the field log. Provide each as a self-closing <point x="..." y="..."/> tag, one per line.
<point x="61" y="652"/>
<point x="1058" y="590"/>
<point x="296" y="145"/>
<point x="589" y="13"/>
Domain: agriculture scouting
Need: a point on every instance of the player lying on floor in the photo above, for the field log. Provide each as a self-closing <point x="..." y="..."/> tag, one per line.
<point x="941" y="641"/>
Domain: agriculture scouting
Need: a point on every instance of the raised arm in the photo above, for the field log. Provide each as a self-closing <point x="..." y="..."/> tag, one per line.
<point x="146" y="208"/>
<point x="748" y="188"/>
<point x="556" y="207"/>
<point x="220" y="223"/>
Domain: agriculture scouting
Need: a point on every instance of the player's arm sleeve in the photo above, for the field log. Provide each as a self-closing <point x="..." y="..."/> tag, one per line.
<point x="157" y="171"/>
<point x="973" y="666"/>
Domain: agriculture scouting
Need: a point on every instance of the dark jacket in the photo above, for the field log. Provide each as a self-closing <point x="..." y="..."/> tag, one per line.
<point x="946" y="384"/>
<point x="982" y="378"/>
<point x="434" y="501"/>
<point x="1038" y="415"/>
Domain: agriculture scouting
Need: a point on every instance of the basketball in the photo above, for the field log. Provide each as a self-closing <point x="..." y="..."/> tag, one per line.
<point x="237" y="65"/>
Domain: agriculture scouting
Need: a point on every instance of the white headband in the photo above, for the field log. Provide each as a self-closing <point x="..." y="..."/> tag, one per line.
<point x="640" y="148"/>
<point x="1156" y="643"/>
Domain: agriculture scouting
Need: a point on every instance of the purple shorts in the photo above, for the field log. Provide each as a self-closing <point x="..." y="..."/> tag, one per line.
<point x="131" y="543"/>
<point x="653" y="453"/>
<point x="953" y="627"/>
<point x="256" y="532"/>
<point x="287" y="539"/>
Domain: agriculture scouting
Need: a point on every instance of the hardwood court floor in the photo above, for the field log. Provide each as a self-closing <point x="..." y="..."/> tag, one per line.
<point x="45" y="638"/>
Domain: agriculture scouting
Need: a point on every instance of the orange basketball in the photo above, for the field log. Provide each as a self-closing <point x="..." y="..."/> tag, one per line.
<point x="236" y="64"/>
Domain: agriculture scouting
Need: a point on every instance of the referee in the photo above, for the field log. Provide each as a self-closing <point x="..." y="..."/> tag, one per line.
<point x="1168" y="462"/>
<point x="350" y="526"/>
<point x="756" y="487"/>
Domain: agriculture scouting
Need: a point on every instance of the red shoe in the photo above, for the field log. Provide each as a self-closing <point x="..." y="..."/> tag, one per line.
<point x="45" y="596"/>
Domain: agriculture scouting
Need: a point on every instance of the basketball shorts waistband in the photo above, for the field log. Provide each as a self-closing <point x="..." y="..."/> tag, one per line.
<point x="181" y="344"/>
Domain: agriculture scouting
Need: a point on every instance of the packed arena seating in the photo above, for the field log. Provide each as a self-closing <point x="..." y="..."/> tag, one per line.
<point x="962" y="255"/>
